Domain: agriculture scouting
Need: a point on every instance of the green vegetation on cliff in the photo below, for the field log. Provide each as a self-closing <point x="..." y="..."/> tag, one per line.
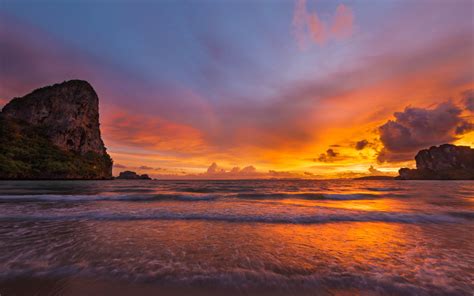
<point x="27" y="153"/>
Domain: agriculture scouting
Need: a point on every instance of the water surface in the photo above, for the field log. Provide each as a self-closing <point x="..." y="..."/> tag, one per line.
<point x="338" y="237"/>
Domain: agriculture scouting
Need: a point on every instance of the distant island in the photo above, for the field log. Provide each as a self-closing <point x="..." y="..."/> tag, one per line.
<point x="446" y="162"/>
<point x="53" y="133"/>
<point x="129" y="175"/>
<point x="375" y="178"/>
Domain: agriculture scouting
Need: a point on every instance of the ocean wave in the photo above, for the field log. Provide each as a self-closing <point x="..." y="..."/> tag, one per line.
<point x="188" y="197"/>
<point x="90" y="198"/>
<point x="384" y="189"/>
<point x="343" y="216"/>
<point x="251" y="282"/>
<point x="308" y="196"/>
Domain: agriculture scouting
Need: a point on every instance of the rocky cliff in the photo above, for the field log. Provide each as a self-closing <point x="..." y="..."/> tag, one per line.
<point x="129" y="175"/>
<point x="53" y="133"/>
<point x="446" y="162"/>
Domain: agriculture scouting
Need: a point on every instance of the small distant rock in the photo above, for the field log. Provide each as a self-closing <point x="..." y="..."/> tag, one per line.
<point x="446" y="162"/>
<point x="129" y="175"/>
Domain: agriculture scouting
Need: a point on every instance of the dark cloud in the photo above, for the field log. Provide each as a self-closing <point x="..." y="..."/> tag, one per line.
<point x="360" y="145"/>
<point x="464" y="128"/>
<point x="119" y="166"/>
<point x="144" y="167"/>
<point x="469" y="99"/>
<point x="418" y="128"/>
<point x="373" y="170"/>
<point x="331" y="153"/>
<point x="330" y="156"/>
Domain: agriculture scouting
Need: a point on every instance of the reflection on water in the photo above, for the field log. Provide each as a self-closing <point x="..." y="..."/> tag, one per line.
<point x="237" y="237"/>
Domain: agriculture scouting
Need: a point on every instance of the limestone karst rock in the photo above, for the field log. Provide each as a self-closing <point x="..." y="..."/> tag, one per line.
<point x="53" y="133"/>
<point x="129" y="175"/>
<point x="445" y="162"/>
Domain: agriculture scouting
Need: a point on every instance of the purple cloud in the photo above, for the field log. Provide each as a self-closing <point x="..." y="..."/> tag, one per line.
<point x="419" y="128"/>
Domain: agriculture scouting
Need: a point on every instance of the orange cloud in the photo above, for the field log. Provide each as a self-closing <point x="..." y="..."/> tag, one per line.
<point x="343" y="21"/>
<point x="215" y="171"/>
<point x="317" y="28"/>
<point x="309" y="27"/>
<point x="150" y="132"/>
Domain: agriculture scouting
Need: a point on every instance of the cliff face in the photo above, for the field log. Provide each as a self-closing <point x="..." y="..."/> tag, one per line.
<point x="53" y="133"/>
<point x="69" y="112"/>
<point x="445" y="157"/>
<point x="447" y="161"/>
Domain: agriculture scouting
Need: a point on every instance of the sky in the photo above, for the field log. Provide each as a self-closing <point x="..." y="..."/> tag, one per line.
<point x="254" y="89"/>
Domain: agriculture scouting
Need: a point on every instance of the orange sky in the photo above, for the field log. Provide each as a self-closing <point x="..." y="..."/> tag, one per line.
<point x="306" y="89"/>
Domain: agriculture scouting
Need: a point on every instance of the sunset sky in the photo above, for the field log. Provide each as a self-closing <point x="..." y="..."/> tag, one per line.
<point x="254" y="89"/>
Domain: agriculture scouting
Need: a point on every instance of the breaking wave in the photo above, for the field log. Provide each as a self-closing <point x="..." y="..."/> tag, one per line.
<point x="187" y="197"/>
<point x="342" y="216"/>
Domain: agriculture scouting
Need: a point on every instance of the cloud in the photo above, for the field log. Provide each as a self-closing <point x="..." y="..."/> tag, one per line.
<point x="300" y="15"/>
<point x="343" y="21"/>
<point x="329" y="156"/>
<point x="317" y="28"/>
<point x="3" y="102"/>
<point x="331" y="153"/>
<point x="155" y="172"/>
<point x="373" y="170"/>
<point x="309" y="27"/>
<point x="419" y="128"/>
<point x="151" y="132"/>
<point x="217" y="172"/>
<point x="286" y="175"/>
<point x="469" y="99"/>
<point x="248" y="170"/>
<point x="144" y="167"/>
<point x="464" y="128"/>
<point x="360" y="145"/>
<point x="214" y="169"/>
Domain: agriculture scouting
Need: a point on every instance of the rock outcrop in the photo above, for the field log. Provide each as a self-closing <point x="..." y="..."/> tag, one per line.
<point x="129" y="175"/>
<point x="69" y="111"/>
<point x="446" y="162"/>
<point x="53" y="133"/>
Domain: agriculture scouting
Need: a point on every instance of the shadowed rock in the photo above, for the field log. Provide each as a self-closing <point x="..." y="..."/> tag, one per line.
<point x="446" y="162"/>
<point x="129" y="175"/>
<point x="69" y="112"/>
<point x="54" y="133"/>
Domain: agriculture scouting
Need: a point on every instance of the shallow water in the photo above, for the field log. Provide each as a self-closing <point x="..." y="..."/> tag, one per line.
<point x="336" y="237"/>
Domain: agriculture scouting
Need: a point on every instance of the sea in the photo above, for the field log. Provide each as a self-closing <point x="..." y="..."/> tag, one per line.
<point x="239" y="237"/>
